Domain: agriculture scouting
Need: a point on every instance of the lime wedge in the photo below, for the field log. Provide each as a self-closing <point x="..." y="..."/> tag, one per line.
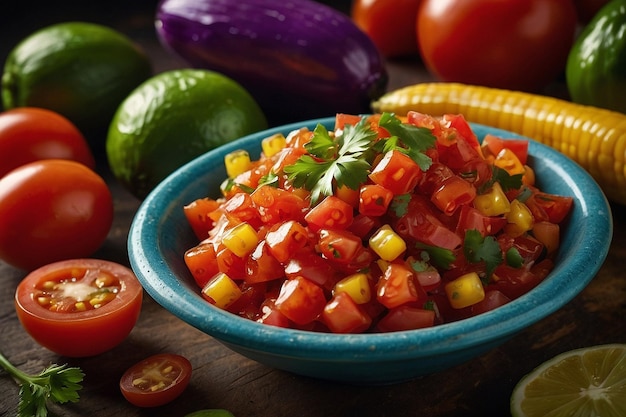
<point x="586" y="382"/>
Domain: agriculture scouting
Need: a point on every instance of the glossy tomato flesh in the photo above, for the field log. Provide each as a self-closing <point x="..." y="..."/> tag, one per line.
<point x="519" y="45"/>
<point x="156" y="380"/>
<point x="29" y="134"/>
<point x="79" y="307"/>
<point x="52" y="210"/>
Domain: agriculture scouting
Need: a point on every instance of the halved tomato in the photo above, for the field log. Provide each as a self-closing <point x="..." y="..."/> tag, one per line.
<point x="156" y="380"/>
<point x="79" y="307"/>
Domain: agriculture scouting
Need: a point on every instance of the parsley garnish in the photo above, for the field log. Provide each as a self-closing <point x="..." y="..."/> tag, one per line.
<point x="441" y="257"/>
<point x="270" y="179"/>
<point x="345" y="159"/>
<point x="415" y="139"/>
<point x="57" y="383"/>
<point x="478" y="248"/>
<point x="506" y="180"/>
<point x="340" y="160"/>
<point x="400" y="204"/>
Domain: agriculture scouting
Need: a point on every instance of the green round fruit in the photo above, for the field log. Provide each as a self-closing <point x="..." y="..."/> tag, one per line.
<point x="596" y="65"/>
<point x="173" y="118"/>
<point x="80" y="70"/>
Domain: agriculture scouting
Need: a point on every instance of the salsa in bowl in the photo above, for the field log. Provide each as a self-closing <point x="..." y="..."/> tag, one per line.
<point x="161" y="234"/>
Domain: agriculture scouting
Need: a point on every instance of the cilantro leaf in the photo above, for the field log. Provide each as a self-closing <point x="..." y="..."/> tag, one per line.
<point x="58" y="383"/>
<point x="339" y="161"/>
<point x="400" y="204"/>
<point x="416" y="140"/>
<point x="506" y="180"/>
<point x="441" y="257"/>
<point x="513" y="258"/>
<point x="478" y="248"/>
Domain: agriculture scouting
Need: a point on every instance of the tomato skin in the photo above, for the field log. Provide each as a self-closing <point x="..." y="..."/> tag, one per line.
<point x="86" y="333"/>
<point x="52" y="210"/>
<point x="28" y="134"/>
<point x="389" y="24"/>
<point x="176" y="381"/>
<point x="521" y="45"/>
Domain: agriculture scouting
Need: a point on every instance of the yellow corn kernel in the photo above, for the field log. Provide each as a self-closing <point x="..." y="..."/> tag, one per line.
<point x="237" y="162"/>
<point x="387" y="243"/>
<point x="241" y="239"/>
<point x="492" y="203"/>
<point x="519" y="218"/>
<point x="465" y="290"/>
<point x="357" y="286"/>
<point x="221" y="291"/>
<point x="271" y="145"/>
<point x="593" y="137"/>
<point x="508" y="161"/>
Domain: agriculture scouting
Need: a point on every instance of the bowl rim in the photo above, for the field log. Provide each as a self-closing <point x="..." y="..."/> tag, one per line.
<point x="501" y="323"/>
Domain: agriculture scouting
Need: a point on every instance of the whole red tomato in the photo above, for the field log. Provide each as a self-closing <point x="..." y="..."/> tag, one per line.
<point x="79" y="307"/>
<point x="50" y="210"/>
<point x="390" y="24"/>
<point x="511" y="44"/>
<point x="29" y="134"/>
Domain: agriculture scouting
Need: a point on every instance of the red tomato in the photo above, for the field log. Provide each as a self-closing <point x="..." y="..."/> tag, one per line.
<point x="519" y="45"/>
<point x="390" y="24"/>
<point x="28" y="134"/>
<point x="52" y="210"/>
<point x="331" y="212"/>
<point x="156" y="380"/>
<point x="343" y="315"/>
<point x="301" y="300"/>
<point x="406" y="317"/>
<point x="79" y="307"/>
<point x="396" y="172"/>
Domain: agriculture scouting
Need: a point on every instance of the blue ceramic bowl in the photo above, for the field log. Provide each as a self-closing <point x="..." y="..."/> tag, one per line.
<point x="160" y="235"/>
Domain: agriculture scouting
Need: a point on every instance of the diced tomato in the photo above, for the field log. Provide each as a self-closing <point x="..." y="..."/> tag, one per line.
<point x="285" y="239"/>
<point x="548" y="234"/>
<point x="197" y="214"/>
<point x="374" y="200"/>
<point x="398" y="286"/>
<point x="433" y="178"/>
<point x="201" y="260"/>
<point x="331" y="212"/>
<point x="339" y="245"/>
<point x="262" y="266"/>
<point x="493" y="299"/>
<point x="309" y="264"/>
<point x="472" y="219"/>
<point x="243" y="209"/>
<point x="396" y="172"/>
<point x="453" y="193"/>
<point x="549" y="207"/>
<point x="494" y="144"/>
<point x="363" y="225"/>
<point x="276" y="205"/>
<point x="406" y="317"/>
<point x="300" y="300"/>
<point x="343" y="315"/>
<point x="230" y="264"/>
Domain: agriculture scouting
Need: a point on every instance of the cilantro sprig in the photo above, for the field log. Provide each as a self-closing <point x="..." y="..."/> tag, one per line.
<point x="57" y="383"/>
<point x="478" y="248"/>
<point x="346" y="159"/>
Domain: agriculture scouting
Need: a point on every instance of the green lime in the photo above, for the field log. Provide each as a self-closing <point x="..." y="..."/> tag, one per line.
<point x="583" y="382"/>
<point x="171" y="119"/>
<point x="80" y="70"/>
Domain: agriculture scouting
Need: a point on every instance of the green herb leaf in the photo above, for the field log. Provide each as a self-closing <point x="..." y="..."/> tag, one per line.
<point x="440" y="257"/>
<point x="339" y="161"/>
<point x="478" y="248"/>
<point x="58" y="383"/>
<point x="513" y="258"/>
<point x="415" y="139"/>
<point x="507" y="181"/>
<point x="400" y="204"/>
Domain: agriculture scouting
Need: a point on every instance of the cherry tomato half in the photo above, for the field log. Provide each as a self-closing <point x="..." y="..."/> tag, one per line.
<point x="156" y="380"/>
<point x="519" y="45"/>
<point x="29" y="134"/>
<point x="79" y="307"/>
<point x="52" y="210"/>
<point x="389" y="24"/>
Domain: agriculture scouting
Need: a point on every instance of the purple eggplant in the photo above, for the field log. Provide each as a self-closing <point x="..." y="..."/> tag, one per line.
<point x="298" y="58"/>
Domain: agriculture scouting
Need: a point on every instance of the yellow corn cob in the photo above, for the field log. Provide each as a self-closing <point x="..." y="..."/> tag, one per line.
<point x="593" y="137"/>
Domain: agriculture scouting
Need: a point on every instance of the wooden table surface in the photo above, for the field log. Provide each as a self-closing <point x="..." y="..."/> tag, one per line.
<point x="224" y="379"/>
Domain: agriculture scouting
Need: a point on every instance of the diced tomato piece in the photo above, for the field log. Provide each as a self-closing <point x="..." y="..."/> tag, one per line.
<point x="309" y="264"/>
<point x="433" y="178"/>
<point x="472" y="219"/>
<point x="301" y="300"/>
<point x="550" y="207"/>
<point x="276" y="205"/>
<point x="330" y="213"/>
<point x="339" y="245"/>
<point x="406" y="317"/>
<point x="243" y="209"/>
<point x="285" y="239"/>
<point x="397" y="286"/>
<point x="374" y="200"/>
<point x="493" y="299"/>
<point x="272" y="316"/>
<point x="548" y="234"/>
<point x="197" y="214"/>
<point x="494" y="144"/>
<point x="201" y="261"/>
<point x="230" y="264"/>
<point x="396" y="172"/>
<point x="364" y="225"/>
<point x="342" y="315"/>
<point x="262" y="266"/>
<point x="453" y="193"/>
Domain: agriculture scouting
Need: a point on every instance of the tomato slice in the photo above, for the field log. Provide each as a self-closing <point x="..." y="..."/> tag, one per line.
<point x="79" y="307"/>
<point x="156" y="380"/>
